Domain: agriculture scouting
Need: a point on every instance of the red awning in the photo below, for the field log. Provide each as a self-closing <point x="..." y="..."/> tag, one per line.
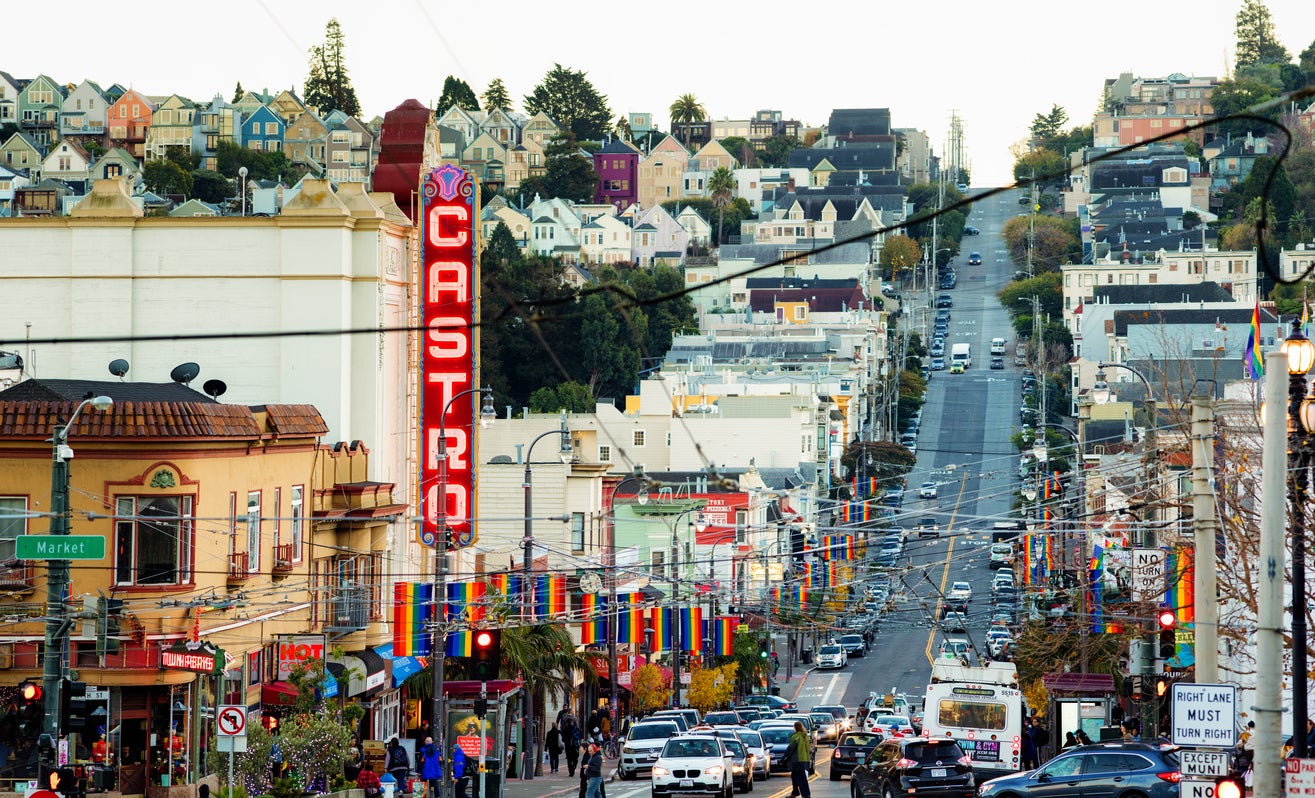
<point x="278" y="693"/>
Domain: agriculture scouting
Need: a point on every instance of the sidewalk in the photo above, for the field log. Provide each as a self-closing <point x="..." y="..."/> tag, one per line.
<point x="560" y="784"/>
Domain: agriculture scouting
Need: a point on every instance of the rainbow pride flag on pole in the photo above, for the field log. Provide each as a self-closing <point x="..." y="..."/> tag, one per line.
<point x="723" y="635"/>
<point x="412" y="607"/>
<point x="549" y="596"/>
<point x="464" y="604"/>
<point x="1253" y="360"/>
<point x="593" y="620"/>
<point x="659" y="620"/>
<point x="691" y="628"/>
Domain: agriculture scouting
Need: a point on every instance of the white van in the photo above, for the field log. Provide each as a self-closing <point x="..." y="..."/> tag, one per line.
<point x="998" y="346"/>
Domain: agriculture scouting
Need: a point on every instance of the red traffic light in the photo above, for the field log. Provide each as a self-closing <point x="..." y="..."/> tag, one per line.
<point x="1168" y="619"/>
<point x="483" y="639"/>
<point x="30" y="691"/>
<point x="1228" y="787"/>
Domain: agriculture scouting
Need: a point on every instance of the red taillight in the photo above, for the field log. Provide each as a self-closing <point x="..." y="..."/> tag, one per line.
<point x="906" y="763"/>
<point x="1172" y="776"/>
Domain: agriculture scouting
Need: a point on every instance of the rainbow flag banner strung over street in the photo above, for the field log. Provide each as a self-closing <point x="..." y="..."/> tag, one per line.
<point x="801" y="595"/>
<point x="723" y="635"/>
<point x="413" y="604"/>
<point x="691" y="628"/>
<point x="505" y="585"/>
<point x="593" y="620"/>
<point x="549" y="596"/>
<point x="629" y="618"/>
<point x="1027" y="558"/>
<point x="659" y="620"/>
<point x="465" y="605"/>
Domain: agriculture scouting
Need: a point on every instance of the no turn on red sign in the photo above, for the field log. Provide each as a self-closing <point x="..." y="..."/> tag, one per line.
<point x="232" y="720"/>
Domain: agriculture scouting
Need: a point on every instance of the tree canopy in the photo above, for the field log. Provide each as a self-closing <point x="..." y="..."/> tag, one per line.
<point x="496" y="96"/>
<point x="1050" y="124"/>
<point x="1234" y="96"/>
<point x="328" y="88"/>
<point x="1054" y="241"/>
<point x="457" y="92"/>
<point x="685" y="110"/>
<point x="566" y="175"/>
<point x="1256" y="41"/>
<point x="569" y="98"/>
<point x="899" y="253"/>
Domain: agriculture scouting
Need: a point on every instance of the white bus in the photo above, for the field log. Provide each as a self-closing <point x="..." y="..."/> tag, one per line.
<point x="981" y="709"/>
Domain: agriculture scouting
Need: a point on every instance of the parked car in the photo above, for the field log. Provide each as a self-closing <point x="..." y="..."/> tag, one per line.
<point x="975" y="259"/>
<point x="852" y="748"/>
<point x="938" y="364"/>
<point x="693" y="764"/>
<point x="937" y="348"/>
<point x="1112" y="768"/>
<point x="853" y="645"/>
<point x="913" y="766"/>
<point x="944" y="301"/>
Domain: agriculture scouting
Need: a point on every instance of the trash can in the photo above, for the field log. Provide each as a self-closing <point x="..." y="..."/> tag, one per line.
<point x="805" y="655"/>
<point x="492" y="783"/>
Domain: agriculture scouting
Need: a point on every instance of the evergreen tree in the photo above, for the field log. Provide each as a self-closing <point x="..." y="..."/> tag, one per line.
<point x="238" y="91"/>
<point x="457" y="92"/>
<point x="1256" y="42"/>
<point x="567" y="173"/>
<point x="496" y="96"/>
<point x="572" y="102"/>
<point x="328" y="88"/>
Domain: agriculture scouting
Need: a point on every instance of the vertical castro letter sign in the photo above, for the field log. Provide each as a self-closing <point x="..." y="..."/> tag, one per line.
<point x="448" y="287"/>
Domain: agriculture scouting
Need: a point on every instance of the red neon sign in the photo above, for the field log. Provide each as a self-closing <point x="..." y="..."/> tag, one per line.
<point x="448" y="284"/>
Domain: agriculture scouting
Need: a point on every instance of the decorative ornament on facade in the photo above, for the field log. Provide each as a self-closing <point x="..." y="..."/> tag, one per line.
<point x="163" y="478"/>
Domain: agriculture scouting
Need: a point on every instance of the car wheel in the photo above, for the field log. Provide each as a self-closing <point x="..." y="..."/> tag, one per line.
<point x="854" y="791"/>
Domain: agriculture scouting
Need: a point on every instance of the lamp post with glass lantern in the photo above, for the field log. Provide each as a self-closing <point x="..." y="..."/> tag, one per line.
<point x="642" y="498"/>
<point x="528" y="736"/>
<point x="441" y="546"/>
<point x="57" y="571"/>
<point x="1301" y="424"/>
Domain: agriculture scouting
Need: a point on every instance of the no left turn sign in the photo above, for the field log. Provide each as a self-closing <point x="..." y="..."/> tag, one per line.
<point x="232" y="721"/>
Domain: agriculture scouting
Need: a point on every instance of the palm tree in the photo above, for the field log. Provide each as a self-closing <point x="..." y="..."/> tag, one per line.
<point x="687" y="110"/>
<point x="721" y="184"/>
<point x="545" y="657"/>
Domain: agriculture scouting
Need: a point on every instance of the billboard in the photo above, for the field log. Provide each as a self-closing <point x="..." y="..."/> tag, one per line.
<point x="449" y="281"/>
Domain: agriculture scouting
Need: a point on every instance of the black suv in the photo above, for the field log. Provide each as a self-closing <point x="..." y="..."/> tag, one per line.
<point x="914" y="766"/>
<point x="1113" y="768"/>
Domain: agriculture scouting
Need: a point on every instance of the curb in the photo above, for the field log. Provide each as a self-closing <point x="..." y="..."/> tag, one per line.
<point x="802" y="678"/>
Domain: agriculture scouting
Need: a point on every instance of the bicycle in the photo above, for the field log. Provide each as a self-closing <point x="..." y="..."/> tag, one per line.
<point x="611" y="748"/>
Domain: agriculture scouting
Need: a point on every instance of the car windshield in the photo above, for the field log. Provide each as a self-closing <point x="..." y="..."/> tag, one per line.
<point x="686" y="747"/>
<point x="779" y="734"/>
<point x="822" y="717"/>
<point x="859" y="739"/>
<point x="735" y="747"/>
<point x="718" y="718"/>
<point x="932" y="753"/>
<point x="892" y="720"/>
<point x="960" y="586"/>
<point x="751" y="738"/>
<point x="851" y="639"/>
<point x="830" y="650"/>
<point x="652" y="731"/>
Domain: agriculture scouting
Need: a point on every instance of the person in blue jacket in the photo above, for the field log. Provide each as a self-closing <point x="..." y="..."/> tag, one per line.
<point x="431" y="766"/>
<point x="459" y="770"/>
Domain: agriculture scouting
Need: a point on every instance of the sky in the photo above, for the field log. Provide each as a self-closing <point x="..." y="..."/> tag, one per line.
<point x="996" y="64"/>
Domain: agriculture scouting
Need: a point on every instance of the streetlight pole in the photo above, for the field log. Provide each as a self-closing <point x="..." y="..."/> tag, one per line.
<point x="675" y="601"/>
<point x="642" y="498"/>
<point x="527" y="736"/>
<point x="57" y="576"/>
<point x="438" y="644"/>
<point x="1301" y="421"/>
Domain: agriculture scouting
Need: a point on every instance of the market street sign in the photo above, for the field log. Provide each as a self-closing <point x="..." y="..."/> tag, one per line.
<point x="59" y="547"/>
<point x="1203" y="715"/>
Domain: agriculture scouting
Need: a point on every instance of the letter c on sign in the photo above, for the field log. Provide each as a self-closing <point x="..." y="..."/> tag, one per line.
<point x="436" y="214"/>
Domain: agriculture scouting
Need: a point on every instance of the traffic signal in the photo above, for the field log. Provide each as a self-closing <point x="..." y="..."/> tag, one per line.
<point x="1168" y="635"/>
<point x="73" y="707"/>
<point x="63" y="781"/>
<point x="762" y="648"/>
<point x="32" y="708"/>
<point x="481" y="707"/>
<point x="1229" y="787"/>
<point x="107" y="625"/>
<point x="486" y="655"/>
<point x="1161" y="687"/>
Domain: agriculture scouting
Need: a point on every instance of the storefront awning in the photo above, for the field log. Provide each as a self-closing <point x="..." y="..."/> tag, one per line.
<point x="371" y="676"/>
<point x="279" y="694"/>
<point x="403" y="667"/>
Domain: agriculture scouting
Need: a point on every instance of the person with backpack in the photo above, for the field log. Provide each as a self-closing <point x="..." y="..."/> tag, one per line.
<point x="554" y="745"/>
<point x="431" y="766"/>
<point x="798" y="756"/>
<point x="397" y="765"/>
<point x="571" y="736"/>
<point x="459" y="770"/>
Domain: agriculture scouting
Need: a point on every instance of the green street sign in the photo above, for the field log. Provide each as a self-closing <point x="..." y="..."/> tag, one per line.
<point x="60" y="547"/>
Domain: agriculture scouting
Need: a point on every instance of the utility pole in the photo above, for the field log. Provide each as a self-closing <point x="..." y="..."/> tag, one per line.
<point x="1269" y="616"/>
<point x="1204" y="525"/>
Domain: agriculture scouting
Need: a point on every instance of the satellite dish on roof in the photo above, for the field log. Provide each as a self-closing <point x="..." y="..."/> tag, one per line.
<point x="215" y="388"/>
<point x="185" y="373"/>
<point x="119" y="367"/>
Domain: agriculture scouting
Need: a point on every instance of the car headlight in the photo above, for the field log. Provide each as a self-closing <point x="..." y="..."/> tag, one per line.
<point x="657" y="771"/>
<point x="737" y="768"/>
<point x="715" y="770"/>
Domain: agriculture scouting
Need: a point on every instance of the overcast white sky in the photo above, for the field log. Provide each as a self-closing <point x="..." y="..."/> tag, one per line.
<point x="996" y="63"/>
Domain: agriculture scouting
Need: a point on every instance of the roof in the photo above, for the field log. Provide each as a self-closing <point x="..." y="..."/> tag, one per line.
<point x="1238" y="316"/>
<point x="1160" y="292"/>
<point x="846" y="122"/>
<point x="820" y="300"/>
<point x="868" y="156"/>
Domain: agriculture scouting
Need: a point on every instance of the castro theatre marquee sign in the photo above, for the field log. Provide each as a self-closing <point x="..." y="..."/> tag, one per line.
<point x="449" y="282"/>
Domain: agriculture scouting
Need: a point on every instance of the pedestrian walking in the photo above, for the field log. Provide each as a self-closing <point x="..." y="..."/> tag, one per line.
<point x="1029" y="748"/>
<point x="799" y="755"/>
<point x="431" y="766"/>
<point x="593" y="772"/>
<point x="571" y="739"/>
<point x="554" y="746"/>
<point x="459" y="765"/>
<point x="397" y="765"/>
<point x="1040" y="739"/>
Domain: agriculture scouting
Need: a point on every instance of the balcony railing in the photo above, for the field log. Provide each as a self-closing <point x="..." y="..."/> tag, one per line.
<point x="16" y="576"/>
<point x="283" y="558"/>
<point x="238" y="566"/>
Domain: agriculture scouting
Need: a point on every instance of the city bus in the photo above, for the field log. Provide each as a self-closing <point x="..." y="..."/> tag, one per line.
<point x="981" y="709"/>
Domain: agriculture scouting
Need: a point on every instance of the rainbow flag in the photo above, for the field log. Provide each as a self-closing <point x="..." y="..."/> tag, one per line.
<point x="593" y="620"/>
<point x="465" y="604"/>
<point x="549" y="596"/>
<point x="801" y="595"/>
<point x="1182" y="598"/>
<point x="691" y="628"/>
<point x="629" y="618"/>
<point x="506" y="585"/>
<point x="1253" y="359"/>
<point x="723" y="635"/>
<point x="659" y="620"/>
<point x="412" y="607"/>
<point x="1027" y="558"/>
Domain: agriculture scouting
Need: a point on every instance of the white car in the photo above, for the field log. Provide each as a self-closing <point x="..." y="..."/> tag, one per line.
<point x="762" y="756"/>
<point x="693" y="764"/>
<point x="1002" y="579"/>
<point x="643" y="745"/>
<point x="893" y="725"/>
<point x="960" y="591"/>
<point x="927" y="491"/>
<point x="957" y="649"/>
<point x="831" y="656"/>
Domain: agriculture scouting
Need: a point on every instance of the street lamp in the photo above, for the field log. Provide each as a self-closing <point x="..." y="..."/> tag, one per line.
<point x="675" y="594"/>
<point x="57" y="577"/>
<point x="439" y="642"/>
<point x="566" y="453"/>
<point x="642" y="498"/>
<point x="1301" y="423"/>
<point x="242" y="173"/>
